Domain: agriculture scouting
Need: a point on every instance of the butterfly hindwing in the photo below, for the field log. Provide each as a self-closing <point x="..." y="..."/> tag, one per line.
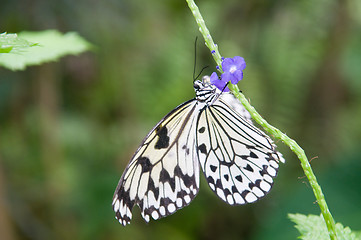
<point x="238" y="160"/>
<point x="163" y="175"/>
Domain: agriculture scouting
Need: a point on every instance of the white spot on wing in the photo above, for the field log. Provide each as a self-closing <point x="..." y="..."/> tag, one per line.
<point x="257" y="192"/>
<point x="116" y="205"/>
<point x="171" y="208"/>
<point x="162" y="210"/>
<point x="268" y="178"/>
<point x="122" y="208"/>
<point x="271" y="171"/>
<point x="187" y="199"/>
<point x="220" y="193"/>
<point x="265" y="186"/>
<point x="155" y="215"/>
<point x="230" y="199"/>
<point x="238" y="198"/>
<point x="274" y="164"/>
<point x="179" y="202"/>
<point x="250" y="197"/>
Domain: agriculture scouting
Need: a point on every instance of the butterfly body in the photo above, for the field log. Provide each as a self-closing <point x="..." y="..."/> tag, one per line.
<point x="212" y="132"/>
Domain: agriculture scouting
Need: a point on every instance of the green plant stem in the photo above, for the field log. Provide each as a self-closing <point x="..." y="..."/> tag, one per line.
<point x="330" y="223"/>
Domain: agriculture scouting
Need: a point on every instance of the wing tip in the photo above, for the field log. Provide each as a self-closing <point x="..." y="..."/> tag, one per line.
<point x="123" y="211"/>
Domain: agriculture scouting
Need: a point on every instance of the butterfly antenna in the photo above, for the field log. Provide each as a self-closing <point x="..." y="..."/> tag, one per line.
<point x="195" y="61"/>
<point x="200" y="73"/>
<point x="195" y="58"/>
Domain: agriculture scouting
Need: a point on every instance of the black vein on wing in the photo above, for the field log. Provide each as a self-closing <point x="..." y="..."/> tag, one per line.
<point x="227" y="121"/>
<point x="222" y="116"/>
<point x="224" y="149"/>
<point x="257" y="145"/>
<point x="147" y="141"/>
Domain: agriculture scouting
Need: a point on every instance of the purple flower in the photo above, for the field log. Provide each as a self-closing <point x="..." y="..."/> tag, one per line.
<point x="219" y="83"/>
<point x="232" y="68"/>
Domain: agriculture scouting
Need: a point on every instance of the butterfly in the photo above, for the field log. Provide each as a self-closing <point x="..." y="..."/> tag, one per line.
<point x="213" y="132"/>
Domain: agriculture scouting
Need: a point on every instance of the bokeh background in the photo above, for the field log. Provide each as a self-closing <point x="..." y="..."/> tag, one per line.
<point x="68" y="129"/>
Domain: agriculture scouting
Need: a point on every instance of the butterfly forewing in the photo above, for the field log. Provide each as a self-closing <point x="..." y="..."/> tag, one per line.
<point x="163" y="174"/>
<point x="238" y="160"/>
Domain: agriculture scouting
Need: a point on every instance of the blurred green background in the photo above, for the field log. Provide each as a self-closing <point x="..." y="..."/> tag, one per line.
<point x="68" y="129"/>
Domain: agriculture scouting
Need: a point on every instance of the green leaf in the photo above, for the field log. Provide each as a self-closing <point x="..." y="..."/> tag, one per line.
<point x="313" y="227"/>
<point x="12" y="43"/>
<point x="19" y="51"/>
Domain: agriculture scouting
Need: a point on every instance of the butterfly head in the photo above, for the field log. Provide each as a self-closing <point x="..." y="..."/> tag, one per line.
<point x="205" y="91"/>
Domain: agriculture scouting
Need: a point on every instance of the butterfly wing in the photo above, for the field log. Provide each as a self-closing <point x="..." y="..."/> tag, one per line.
<point x="236" y="106"/>
<point x="238" y="160"/>
<point x="163" y="174"/>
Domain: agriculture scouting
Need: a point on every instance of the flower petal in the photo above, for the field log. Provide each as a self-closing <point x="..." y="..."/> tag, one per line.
<point x="227" y="64"/>
<point x="226" y="76"/>
<point x="237" y="76"/>
<point x="223" y="87"/>
<point x="218" y="82"/>
<point x="214" y="78"/>
<point x="239" y="62"/>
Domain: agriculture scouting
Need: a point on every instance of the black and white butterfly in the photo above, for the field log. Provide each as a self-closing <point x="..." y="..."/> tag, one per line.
<point x="212" y="131"/>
